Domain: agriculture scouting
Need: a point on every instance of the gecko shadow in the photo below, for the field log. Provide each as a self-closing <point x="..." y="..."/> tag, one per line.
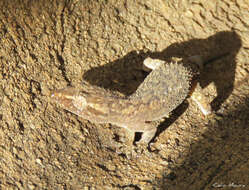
<point x="220" y="51"/>
<point x="126" y="74"/>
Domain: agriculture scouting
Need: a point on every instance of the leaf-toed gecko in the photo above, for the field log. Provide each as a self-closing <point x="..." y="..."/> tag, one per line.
<point x="166" y="87"/>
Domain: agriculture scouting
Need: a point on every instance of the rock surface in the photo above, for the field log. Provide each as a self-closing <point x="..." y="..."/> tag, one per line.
<point x="46" y="45"/>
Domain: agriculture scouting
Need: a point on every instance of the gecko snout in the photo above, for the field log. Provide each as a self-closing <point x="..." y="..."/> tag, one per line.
<point x="55" y="95"/>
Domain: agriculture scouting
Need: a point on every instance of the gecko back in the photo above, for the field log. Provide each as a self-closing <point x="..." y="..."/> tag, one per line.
<point x="162" y="91"/>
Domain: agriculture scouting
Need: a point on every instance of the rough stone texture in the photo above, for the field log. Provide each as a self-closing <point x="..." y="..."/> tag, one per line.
<point x="46" y="45"/>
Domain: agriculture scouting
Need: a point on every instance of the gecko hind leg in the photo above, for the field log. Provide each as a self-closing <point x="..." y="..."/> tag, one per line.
<point x="197" y="94"/>
<point x="147" y="136"/>
<point x="199" y="98"/>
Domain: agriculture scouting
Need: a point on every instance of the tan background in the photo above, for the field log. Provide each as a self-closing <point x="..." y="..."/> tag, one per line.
<point x="45" y="45"/>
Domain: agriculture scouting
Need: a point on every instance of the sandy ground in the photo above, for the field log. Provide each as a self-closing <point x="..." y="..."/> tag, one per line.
<point x="46" y="45"/>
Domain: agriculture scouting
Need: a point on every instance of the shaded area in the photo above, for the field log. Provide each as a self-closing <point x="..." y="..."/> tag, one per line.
<point x="218" y="158"/>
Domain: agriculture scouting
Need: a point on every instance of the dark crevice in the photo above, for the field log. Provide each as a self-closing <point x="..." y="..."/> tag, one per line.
<point x="103" y="167"/>
<point x="34" y="90"/>
<point x="59" y="56"/>
<point x="21" y="126"/>
<point x="123" y="155"/>
<point x="33" y="56"/>
<point x="130" y="186"/>
<point x="62" y="28"/>
<point x="62" y="67"/>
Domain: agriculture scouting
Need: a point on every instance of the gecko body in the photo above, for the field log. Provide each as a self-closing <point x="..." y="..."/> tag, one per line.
<point x="166" y="87"/>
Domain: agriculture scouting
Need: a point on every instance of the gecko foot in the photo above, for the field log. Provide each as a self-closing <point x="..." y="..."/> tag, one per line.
<point x="151" y="64"/>
<point x="147" y="136"/>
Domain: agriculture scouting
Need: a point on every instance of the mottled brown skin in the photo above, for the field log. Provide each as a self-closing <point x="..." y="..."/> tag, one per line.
<point x="160" y="93"/>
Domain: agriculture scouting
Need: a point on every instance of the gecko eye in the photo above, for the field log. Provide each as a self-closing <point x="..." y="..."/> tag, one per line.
<point x="55" y="94"/>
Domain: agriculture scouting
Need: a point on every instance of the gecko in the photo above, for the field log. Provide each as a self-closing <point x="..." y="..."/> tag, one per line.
<point x="164" y="89"/>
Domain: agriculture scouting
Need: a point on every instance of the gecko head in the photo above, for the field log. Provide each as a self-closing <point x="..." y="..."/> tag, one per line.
<point x="69" y="98"/>
<point x="61" y="94"/>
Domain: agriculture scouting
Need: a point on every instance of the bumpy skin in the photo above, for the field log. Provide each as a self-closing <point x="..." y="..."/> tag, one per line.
<point x="160" y="93"/>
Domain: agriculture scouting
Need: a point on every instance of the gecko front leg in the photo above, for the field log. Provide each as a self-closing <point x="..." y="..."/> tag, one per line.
<point x="147" y="136"/>
<point x="148" y="131"/>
